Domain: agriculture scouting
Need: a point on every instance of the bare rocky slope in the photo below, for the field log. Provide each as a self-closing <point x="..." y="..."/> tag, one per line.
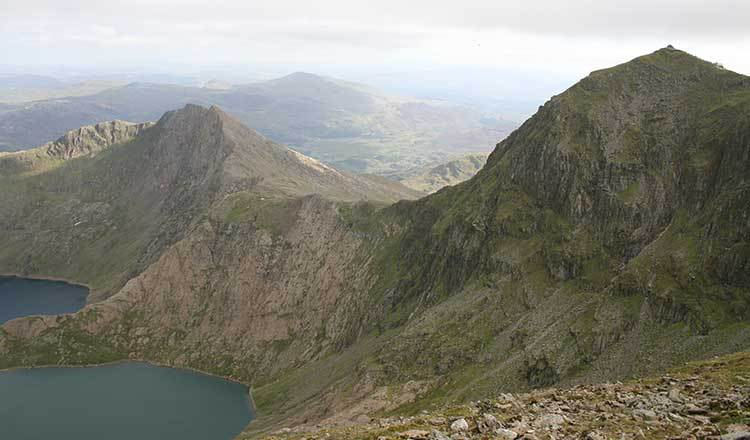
<point x="605" y="238"/>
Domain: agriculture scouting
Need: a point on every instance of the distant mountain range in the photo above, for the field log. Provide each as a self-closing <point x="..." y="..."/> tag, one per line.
<point x="343" y="124"/>
<point x="18" y="89"/>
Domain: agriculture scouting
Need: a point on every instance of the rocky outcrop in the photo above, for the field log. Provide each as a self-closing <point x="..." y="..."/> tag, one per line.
<point x="91" y="139"/>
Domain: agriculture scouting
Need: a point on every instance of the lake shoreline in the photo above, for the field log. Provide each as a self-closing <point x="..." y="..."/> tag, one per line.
<point x="84" y="285"/>
<point x="47" y="278"/>
<point x="85" y="290"/>
<point x="115" y="362"/>
<point x="130" y="361"/>
<point x="131" y="381"/>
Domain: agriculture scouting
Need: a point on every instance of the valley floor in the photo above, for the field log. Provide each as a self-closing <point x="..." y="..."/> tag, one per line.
<point x="703" y="400"/>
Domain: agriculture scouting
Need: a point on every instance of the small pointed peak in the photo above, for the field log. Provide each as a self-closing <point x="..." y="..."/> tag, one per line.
<point x="193" y="114"/>
<point x="217" y="110"/>
<point x="189" y="109"/>
<point x="670" y="49"/>
<point x="196" y="112"/>
<point x="193" y="107"/>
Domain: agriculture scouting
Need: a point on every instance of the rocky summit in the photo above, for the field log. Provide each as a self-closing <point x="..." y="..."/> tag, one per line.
<point x="606" y="238"/>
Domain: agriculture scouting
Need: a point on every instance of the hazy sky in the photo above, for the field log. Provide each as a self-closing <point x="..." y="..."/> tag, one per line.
<point x="569" y="36"/>
<point x="507" y="55"/>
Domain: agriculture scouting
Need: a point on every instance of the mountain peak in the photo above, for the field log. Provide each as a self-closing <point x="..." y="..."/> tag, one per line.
<point x="192" y="110"/>
<point x="301" y="80"/>
<point x="194" y="117"/>
<point x="301" y="76"/>
<point x="208" y="140"/>
<point x="667" y="61"/>
<point x="667" y="75"/>
<point x="668" y="110"/>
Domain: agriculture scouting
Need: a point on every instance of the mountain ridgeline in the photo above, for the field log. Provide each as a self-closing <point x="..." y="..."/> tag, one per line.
<point x="606" y="237"/>
<point x="341" y="123"/>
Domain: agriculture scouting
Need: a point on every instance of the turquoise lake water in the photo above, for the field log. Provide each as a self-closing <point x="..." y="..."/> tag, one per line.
<point x="127" y="401"/>
<point x="23" y="297"/>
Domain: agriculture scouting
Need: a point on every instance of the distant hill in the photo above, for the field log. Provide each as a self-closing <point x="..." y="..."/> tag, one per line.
<point x="343" y="124"/>
<point x="17" y="89"/>
<point x="450" y="173"/>
<point x="29" y="82"/>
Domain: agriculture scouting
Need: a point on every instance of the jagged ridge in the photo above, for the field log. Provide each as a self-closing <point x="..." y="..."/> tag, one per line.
<point x="88" y="140"/>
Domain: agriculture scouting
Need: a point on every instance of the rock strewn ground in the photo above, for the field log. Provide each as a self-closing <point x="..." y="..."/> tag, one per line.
<point x="707" y="400"/>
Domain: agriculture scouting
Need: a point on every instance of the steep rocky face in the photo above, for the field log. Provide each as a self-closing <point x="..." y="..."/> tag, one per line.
<point x="606" y="237"/>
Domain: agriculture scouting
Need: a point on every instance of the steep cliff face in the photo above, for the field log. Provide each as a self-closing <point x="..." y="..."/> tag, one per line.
<point x="606" y="237"/>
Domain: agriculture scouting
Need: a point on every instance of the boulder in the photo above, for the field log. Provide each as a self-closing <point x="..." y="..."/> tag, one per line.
<point x="460" y="425"/>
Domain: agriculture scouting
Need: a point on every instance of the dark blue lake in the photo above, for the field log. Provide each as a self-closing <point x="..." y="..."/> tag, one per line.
<point x="124" y="401"/>
<point x="24" y="297"/>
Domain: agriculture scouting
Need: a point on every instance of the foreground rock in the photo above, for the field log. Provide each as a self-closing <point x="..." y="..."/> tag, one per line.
<point x="714" y="403"/>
